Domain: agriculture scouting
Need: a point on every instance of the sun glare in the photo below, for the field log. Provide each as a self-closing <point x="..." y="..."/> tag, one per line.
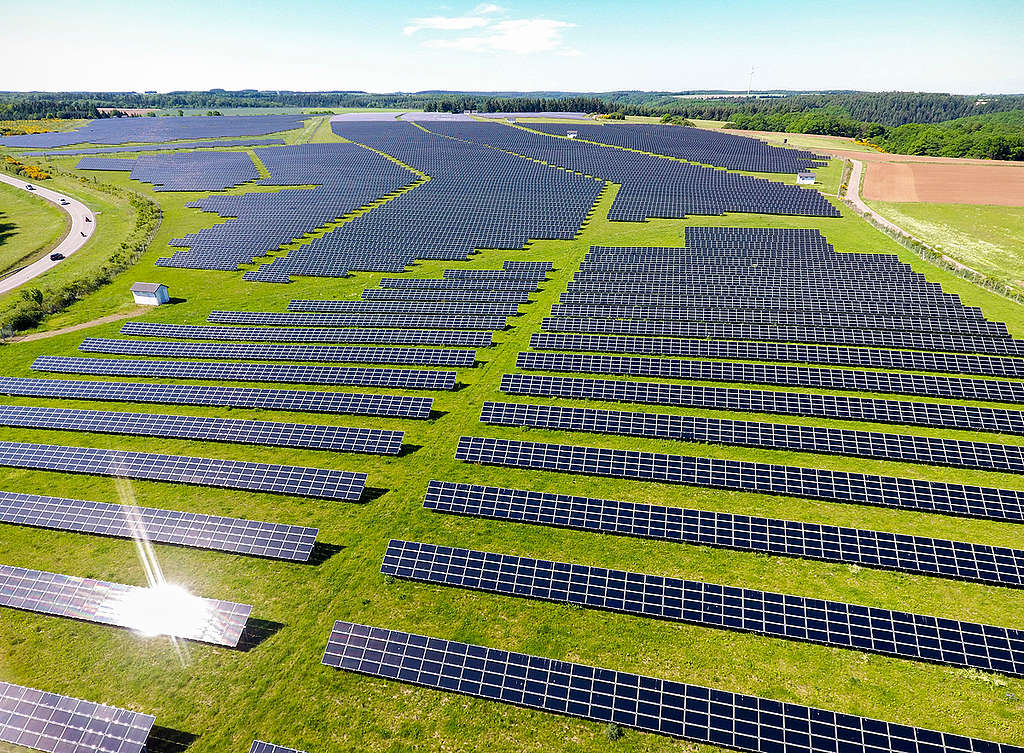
<point x="164" y="609"/>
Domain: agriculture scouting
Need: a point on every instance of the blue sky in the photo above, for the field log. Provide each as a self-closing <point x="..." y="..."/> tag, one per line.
<point x="941" y="45"/>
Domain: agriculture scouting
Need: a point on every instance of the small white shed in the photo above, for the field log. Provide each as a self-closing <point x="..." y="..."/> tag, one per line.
<point x="150" y="293"/>
<point x="805" y="178"/>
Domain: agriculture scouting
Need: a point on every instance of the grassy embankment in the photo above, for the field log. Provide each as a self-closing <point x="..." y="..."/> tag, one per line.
<point x="29" y="227"/>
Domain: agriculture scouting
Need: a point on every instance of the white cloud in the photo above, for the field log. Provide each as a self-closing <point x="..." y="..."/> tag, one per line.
<point x="485" y="8"/>
<point x="445" y="23"/>
<point x="523" y="36"/>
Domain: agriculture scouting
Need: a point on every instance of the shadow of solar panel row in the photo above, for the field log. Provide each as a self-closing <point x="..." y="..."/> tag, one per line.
<point x="282" y="352"/>
<point x="512" y="265"/>
<point x="676" y="709"/>
<point x="790" y="302"/>
<point x="395" y="406"/>
<point x="825" y="354"/>
<point x="937" y="341"/>
<point x="451" y="308"/>
<point x="519" y="284"/>
<point x="51" y="722"/>
<point x="164" y="147"/>
<point x="786" y="318"/>
<point x="406" y="294"/>
<point x="905" y="635"/>
<point x="259" y="746"/>
<point x="924" y="385"/>
<point x="198" y="530"/>
<point x="182" y="171"/>
<point x="315" y="319"/>
<point x="694" y="145"/>
<point x="150" y="130"/>
<point x="761" y="478"/>
<point x="114" y="604"/>
<point x="476" y="198"/>
<point x="943" y="415"/>
<point x="814" y="293"/>
<point x="207" y="428"/>
<point x="651" y="186"/>
<point x="345" y="177"/>
<point x="877" y="549"/>
<point x="351" y="376"/>
<point x="310" y="334"/>
<point x="868" y="444"/>
<point x="229" y="474"/>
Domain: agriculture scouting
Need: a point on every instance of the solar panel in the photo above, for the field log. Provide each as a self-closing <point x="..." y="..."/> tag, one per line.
<point x="827" y="379"/>
<point x="853" y="626"/>
<point x="212" y="620"/>
<point x="329" y="319"/>
<point x="946" y="415"/>
<point x="908" y="360"/>
<point x="197" y="530"/>
<point x="229" y="474"/>
<point x="350" y="376"/>
<point x="309" y="334"/>
<point x="877" y="549"/>
<point x="397" y="406"/>
<point x="282" y="352"/>
<point x="736" y="475"/>
<point x="258" y="746"/>
<point x="455" y="308"/>
<point x="400" y="294"/>
<point x="207" y="428"/>
<point x="664" y="707"/>
<point x="61" y="724"/>
<point x="870" y="444"/>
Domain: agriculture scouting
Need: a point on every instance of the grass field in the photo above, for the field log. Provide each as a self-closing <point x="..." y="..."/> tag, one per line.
<point x="989" y="239"/>
<point x="279" y="691"/>
<point x="29" y="227"/>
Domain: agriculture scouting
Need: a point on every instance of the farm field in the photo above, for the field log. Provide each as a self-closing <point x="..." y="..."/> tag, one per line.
<point x="949" y="182"/>
<point x="212" y="699"/>
<point x="29" y="227"/>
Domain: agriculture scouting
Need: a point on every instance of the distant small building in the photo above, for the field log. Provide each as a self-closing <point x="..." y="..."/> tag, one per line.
<point x="805" y="178"/>
<point x="571" y="134"/>
<point x="150" y="293"/>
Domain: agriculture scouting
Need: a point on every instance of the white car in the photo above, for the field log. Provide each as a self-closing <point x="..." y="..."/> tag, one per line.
<point x="30" y="187"/>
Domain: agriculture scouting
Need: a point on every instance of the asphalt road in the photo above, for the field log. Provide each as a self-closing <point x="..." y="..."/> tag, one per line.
<point x="71" y="242"/>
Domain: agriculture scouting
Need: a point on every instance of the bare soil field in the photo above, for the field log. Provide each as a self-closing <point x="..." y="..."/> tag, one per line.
<point x="960" y="182"/>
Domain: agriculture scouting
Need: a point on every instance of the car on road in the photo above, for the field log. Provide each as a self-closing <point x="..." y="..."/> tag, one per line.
<point x="56" y="256"/>
<point x="29" y="187"/>
<point x="64" y="202"/>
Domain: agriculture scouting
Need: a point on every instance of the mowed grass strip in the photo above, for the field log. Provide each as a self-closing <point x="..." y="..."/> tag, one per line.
<point x="279" y="691"/>
<point x="30" y="226"/>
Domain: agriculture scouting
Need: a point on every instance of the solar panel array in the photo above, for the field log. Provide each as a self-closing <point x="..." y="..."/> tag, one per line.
<point x="476" y="198"/>
<point x="395" y="406"/>
<point x="150" y="130"/>
<point x="920" y="555"/>
<point x="281" y="352"/>
<point x="870" y="444"/>
<point x="60" y="724"/>
<point x="182" y="171"/>
<point x="220" y="144"/>
<point x="762" y="478"/>
<point x="259" y="746"/>
<point x="832" y="623"/>
<point x="663" y="707"/>
<point x="345" y="178"/>
<point x="275" y="540"/>
<point x="693" y="144"/>
<point x="229" y="474"/>
<point x="206" y="428"/>
<point x="253" y="372"/>
<point x="330" y="319"/>
<point x="115" y="604"/>
<point x="651" y="186"/>
<point x="454" y="308"/>
<point x="469" y="339"/>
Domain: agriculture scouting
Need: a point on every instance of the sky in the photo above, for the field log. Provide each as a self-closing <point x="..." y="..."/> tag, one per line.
<point x="959" y="46"/>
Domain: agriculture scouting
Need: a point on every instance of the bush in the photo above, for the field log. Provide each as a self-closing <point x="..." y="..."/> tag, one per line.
<point x="28" y="171"/>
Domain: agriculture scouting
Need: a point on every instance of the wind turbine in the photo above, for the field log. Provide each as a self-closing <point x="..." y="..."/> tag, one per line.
<point x="750" y="80"/>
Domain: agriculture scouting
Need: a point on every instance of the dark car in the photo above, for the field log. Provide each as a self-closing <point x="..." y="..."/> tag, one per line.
<point x="56" y="256"/>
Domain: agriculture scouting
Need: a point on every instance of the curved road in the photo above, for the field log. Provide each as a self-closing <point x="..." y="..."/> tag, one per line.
<point x="71" y="242"/>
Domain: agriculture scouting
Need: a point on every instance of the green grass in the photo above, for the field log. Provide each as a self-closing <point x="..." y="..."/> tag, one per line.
<point x="29" y="227"/>
<point x="987" y="238"/>
<point x="279" y="691"/>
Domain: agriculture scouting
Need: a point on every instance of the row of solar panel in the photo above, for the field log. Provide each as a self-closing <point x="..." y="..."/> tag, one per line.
<point x="468" y="339"/>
